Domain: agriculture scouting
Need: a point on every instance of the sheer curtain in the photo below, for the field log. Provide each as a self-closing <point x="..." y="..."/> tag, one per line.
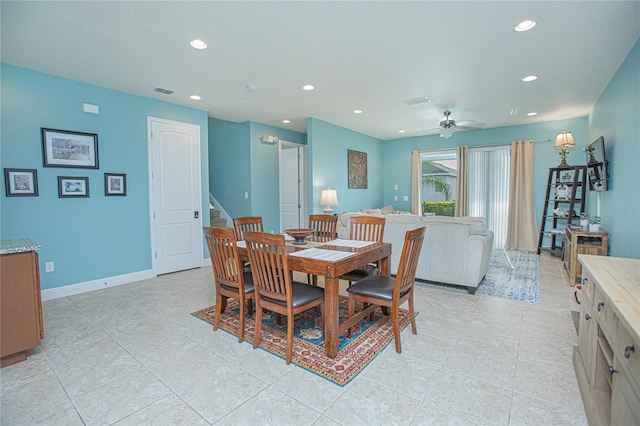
<point x="489" y="172"/>
<point x="416" y="184"/>
<point x="522" y="231"/>
<point x="462" y="181"/>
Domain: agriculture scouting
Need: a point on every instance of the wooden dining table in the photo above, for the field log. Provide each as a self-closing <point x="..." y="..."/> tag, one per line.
<point x="331" y="270"/>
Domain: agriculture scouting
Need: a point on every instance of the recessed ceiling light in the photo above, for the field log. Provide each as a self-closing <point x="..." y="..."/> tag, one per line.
<point x="530" y="78"/>
<point x="401" y="131"/>
<point x="307" y="87"/>
<point x="525" y="25"/>
<point x="195" y="97"/>
<point x="198" y="44"/>
<point x="286" y="121"/>
<point x="531" y="114"/>
<point x="357" y="111"/>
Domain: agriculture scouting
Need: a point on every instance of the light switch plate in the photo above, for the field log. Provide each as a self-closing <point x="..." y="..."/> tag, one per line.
<point x="405" y="198"/>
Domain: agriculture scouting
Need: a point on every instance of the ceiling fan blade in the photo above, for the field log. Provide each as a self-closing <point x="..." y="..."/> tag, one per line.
<point x="469" y="123"/>
<point x="428" y="130"/>
<point x="476" y="126"/>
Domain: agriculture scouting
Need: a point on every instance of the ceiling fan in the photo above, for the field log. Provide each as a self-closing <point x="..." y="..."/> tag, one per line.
<point x="447" y="126"/>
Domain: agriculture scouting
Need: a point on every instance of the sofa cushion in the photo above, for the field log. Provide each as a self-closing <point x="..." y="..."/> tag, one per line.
<point x="371" y="211"/>
<point x="387" y="209"/>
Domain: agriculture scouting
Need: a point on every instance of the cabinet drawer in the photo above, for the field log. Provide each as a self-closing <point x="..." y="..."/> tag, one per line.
<point x="606" y="316"/>
<point x="628" y="347"/>
<point x="587" y="286"/>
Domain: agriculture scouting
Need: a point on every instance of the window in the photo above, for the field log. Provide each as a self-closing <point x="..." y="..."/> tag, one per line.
<point x="439" y="176"/>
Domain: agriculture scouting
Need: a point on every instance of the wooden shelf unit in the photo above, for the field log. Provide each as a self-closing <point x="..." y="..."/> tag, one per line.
<point x="552" y="225"/>
<point x="578" y="241"/>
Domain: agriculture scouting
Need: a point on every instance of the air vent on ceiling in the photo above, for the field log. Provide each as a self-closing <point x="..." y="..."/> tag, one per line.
<point x="163" y="90"/>
<point x="418" y="100"/>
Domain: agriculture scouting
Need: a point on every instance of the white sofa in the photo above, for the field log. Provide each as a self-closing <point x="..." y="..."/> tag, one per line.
<point x="456" y="250"/>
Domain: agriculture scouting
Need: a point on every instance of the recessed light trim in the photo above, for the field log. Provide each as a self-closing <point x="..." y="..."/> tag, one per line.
<point x="308" y="87"/>
<point x="195" y="97"/>
<point x="286" y="121"/>
<point x="530" y="78"/>
<point x="525" y="25"/>
<point x="357" y="111"/>
<point x="531" y="114"/>
<point x="401" y="131"/>
<point x="198" y="44"/>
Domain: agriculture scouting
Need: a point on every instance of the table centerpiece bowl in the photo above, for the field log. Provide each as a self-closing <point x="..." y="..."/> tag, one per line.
<point x="299" y="235"/>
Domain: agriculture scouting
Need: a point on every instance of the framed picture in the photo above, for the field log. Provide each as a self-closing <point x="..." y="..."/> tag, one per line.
<point x="73" y="187"/>
<point x="115" y="184"/>
<point x="61" y="148"/>
<point x="21" y="182"/>
<point x="357" y="169"/>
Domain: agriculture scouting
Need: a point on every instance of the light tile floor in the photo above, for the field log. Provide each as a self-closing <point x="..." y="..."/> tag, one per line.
<point x="132" y="355"/>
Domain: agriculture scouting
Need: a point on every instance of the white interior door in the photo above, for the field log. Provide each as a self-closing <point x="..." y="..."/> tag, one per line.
<point x="292" y="187"/>
<point x="176" y="219"/>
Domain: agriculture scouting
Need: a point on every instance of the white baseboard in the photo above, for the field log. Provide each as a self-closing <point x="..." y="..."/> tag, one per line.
<point x="73" y="289"/>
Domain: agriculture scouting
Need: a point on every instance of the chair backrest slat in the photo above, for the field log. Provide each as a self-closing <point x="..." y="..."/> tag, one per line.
<point x="247" y="223"/>
<point x="324" y="226"/>
<point x="269" y="265"/>
<point x="406" y="275"/>
<point x="367" y="228"/>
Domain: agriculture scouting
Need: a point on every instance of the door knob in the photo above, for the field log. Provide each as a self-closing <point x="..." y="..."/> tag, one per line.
<point x="196" y="214"/>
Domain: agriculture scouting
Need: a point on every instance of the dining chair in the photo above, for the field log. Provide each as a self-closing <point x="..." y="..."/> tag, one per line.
<point x="324" y="229"/>
<point x="390" y="292"/>
<point x="247" y="223"/>
<point x="275" y="289"/>
<point x="364" y="228"/>
<point x="230" y="278"/>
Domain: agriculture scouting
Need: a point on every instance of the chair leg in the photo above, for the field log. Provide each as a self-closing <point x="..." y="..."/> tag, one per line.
<point x="256" y="339"/>
<point x="242" y="315"/>
<point x="250" y="306"/>
<point x="289" y="338"/>
<point x="412" y="315"/>
<point x="395" y="319"/>
<point x="278" y="319"/>
<point x="352" y="308"/>
<point x="219" y="303"/>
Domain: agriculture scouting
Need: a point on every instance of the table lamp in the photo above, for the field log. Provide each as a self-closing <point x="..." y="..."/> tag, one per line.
<point x="563" y="140"/>
<point x="328" y="198"/>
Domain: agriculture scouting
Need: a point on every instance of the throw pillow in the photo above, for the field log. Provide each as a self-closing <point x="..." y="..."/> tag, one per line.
<point x="386" y="210"/>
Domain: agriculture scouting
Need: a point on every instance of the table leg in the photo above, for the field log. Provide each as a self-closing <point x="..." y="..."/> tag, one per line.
<point x="331" y="316"/>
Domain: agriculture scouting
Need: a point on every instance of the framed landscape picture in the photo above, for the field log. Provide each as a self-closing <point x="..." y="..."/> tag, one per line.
<point x="115" y="184"/>
<point x="357" y="169"/>
<point x="21" y="182"/>
<point x="62" y="148"/>
<point x="73" y="187"/>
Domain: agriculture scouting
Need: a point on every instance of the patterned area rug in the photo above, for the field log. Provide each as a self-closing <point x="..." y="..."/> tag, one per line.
<point x="520" y="282"/>
<point x="369" y="339"/>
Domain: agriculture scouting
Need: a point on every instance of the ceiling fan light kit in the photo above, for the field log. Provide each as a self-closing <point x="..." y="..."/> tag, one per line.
<point x="448" y="127"/>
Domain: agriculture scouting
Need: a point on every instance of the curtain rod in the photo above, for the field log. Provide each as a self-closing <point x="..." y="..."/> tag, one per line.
<point x="483" y="146"/>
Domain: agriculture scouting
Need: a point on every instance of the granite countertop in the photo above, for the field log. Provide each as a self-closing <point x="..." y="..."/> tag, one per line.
<point x="18" y="246"/>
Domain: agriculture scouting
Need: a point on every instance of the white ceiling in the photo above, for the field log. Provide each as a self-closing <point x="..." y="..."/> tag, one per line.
<point x="369" y="55"/>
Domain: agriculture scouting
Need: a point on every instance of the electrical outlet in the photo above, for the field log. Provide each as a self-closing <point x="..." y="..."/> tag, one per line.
<point x="49" y="267"/>
<point x="395" y="198"/>
<point x="395" y="187"/>
<point x="246" y="195"/>
<point x="405" y="198"/>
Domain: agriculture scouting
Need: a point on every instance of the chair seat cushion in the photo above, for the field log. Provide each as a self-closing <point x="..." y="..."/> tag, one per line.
<point x="248" y="284"/>
<point x="302" y="294"/>
<point x="374" y="286"/>
<point x="360" y="273"/>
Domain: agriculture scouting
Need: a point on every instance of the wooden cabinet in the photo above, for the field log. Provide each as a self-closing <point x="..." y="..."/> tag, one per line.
<point x="578" y="241"/>
<point x="607" y="358"/>
<point x="21" y="307"/>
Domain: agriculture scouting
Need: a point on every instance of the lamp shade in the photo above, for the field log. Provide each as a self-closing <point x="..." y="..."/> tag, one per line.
<point x="564" y="139"/>
<point x="329" y="197"/>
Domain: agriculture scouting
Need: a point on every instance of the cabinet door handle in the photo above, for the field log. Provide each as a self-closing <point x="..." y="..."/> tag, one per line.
<point x="628" y="351"/>
<point x="587" y="317"/>
<point x="600" y="306"/>
<point x="612" y="370"/>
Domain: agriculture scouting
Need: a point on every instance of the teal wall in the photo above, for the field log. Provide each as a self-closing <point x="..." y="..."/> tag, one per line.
<point x="240" y="162"/>
<point x="397" y="154"/>
<point x="328" y="145"/>
<point x="88" y="238"/>
<point x="616" y="116"/>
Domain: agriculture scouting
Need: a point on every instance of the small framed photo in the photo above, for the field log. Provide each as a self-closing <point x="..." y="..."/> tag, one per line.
<point x="21" y="182"/>
<point x="73" y="187"/>
<point x="115" y="184"/>
<point x="62" y="148"/>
